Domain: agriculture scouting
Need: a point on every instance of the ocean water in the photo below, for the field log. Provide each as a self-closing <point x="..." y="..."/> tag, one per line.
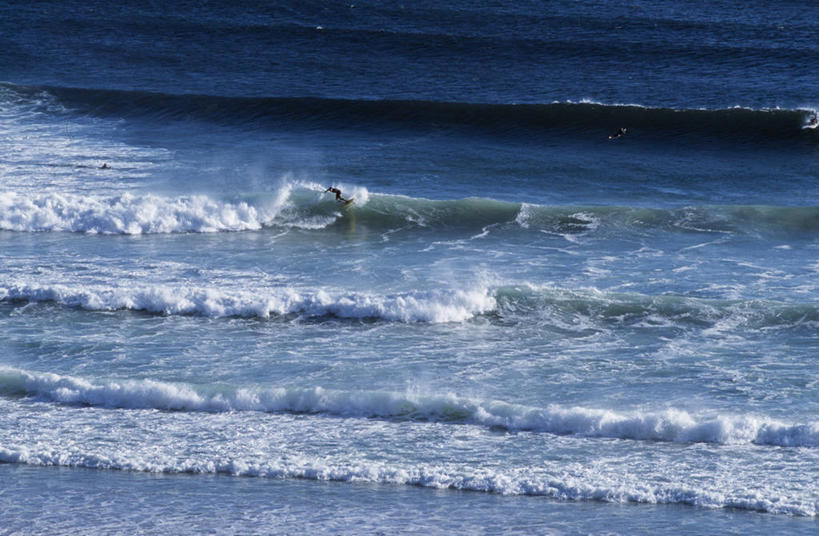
<point x="518" y="326"/>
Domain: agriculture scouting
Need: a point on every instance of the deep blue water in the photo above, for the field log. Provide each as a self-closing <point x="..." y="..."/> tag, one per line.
<point x="519" y="325"/>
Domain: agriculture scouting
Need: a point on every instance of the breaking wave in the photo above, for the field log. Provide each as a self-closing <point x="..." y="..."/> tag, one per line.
<point x="671" y="425"/>
<point x="563" y="309"/>
<point x="419" y="306"/>
<point x="303" y="205"/>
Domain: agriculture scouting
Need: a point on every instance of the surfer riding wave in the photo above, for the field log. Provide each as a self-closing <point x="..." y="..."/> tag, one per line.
<point x="339" y="197"/>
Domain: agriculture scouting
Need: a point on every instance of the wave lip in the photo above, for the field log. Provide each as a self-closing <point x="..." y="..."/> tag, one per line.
<point x="419" y="306"/>
<point x="667" y="426"/>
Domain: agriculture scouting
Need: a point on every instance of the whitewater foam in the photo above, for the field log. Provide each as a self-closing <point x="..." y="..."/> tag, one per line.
<point x="575" y="310"/>
<point x="435" y="306"/>
<point x="670" y="425"/>
<point x="299" y="204"/>
<point x="125" y="214"/>
<point x="573" y="484"/>
<point x="292" y="203"/>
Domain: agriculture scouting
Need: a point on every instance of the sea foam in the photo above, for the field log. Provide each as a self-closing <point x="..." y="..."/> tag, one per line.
<point x="125" y="214"/>
<point x="562" y="484"/>
<point x="668" y="425"/>
<point x="525" y="303"/>
<point x="435" y="306"/>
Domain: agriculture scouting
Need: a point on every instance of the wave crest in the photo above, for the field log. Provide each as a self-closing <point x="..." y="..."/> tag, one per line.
<point x="562" y="309"/>
<point x="418" y="306"/>
<point x="671" y="425"/>
<point x="300" y="205"/>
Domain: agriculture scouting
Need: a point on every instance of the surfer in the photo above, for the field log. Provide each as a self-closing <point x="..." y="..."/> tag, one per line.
<point x="813" y="121"/>
<point x="105" y="166"/>
<point x="338" y="194"/>
<point x="621" y="131"/>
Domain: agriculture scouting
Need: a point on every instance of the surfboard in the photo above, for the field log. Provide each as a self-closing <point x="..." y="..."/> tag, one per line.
<point x="348" y="202"/>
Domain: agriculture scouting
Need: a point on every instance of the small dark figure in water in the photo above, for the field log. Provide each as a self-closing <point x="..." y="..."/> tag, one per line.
<point x="105" y="166"/>
<point x="813" y="121"/>
<point x="621" y="131"/>
<point x="337" y="192"/>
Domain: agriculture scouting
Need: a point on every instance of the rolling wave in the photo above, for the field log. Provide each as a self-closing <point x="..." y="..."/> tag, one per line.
<point x="671" y="425"/>
<point x="564" y="309"/>
<point x="303" y="206"/>
<point x="513" y="120"/>
<point x="417" y="306"/>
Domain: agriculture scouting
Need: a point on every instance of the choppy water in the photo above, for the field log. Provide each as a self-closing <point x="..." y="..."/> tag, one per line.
<point x="591" y="334"/>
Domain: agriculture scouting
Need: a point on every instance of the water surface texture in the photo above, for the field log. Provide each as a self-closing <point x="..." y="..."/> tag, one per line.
<point x="519" y="325"/>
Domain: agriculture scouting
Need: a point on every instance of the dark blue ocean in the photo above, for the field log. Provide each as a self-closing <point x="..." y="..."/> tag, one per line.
<point x="522" y="323"/>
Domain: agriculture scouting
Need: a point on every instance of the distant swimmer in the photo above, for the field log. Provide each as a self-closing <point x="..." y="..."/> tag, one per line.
<point x="620" y="132"/>
<point x="338" y="195"/>
<point x="105" y="166"/>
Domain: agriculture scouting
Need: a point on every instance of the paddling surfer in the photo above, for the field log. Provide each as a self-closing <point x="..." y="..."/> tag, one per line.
<point x="621" y="131"/>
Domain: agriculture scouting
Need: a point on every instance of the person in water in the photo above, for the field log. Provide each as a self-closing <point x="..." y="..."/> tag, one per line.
<point x="337" y="192"/>
<point x="105" y="166"/>
<point x="621" y="131"/>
